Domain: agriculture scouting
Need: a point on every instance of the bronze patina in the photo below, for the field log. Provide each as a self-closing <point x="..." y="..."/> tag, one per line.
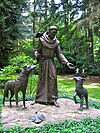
<point x="81" y="92"/>
<point x="47" y="49"/>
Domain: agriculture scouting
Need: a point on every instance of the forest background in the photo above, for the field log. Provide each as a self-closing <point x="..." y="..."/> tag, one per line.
<point x="78" y="32"/>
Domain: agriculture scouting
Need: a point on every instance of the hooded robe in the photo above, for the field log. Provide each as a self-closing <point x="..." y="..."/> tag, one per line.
<point x="47" y="77"/>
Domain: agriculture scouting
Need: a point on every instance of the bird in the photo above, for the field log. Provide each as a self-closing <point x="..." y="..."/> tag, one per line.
<point x="38" y="118"/>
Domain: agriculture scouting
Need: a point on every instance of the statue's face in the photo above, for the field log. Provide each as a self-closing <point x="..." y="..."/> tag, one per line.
<point x="52" y="33"/>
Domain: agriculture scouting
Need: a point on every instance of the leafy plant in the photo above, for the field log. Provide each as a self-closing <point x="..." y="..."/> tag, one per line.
<point x="17" y="63"/>
<point x="94" y="69"/>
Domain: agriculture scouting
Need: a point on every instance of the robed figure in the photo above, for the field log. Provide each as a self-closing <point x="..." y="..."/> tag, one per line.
<point x="48" y="48"/>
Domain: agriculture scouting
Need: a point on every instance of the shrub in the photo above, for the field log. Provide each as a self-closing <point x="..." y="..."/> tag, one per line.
<point x="16" y="64"/>
<point x="94" y="69"/>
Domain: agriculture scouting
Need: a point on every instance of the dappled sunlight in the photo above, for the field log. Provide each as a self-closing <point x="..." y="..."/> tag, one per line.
<point x="66" y="90"/>
<point x="65" y="77"/>
<point x="95" y="84"/>
<point x="91" y="86"/>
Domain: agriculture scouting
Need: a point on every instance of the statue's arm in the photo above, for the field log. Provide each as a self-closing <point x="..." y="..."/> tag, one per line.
<point x="62" y="58"/>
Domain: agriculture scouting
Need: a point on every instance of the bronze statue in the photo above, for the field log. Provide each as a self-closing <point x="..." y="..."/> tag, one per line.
<point x="37" y="118"/>
<point x="81" y="92"/>
<point x="19" y="84"/>
<point x="47" y="49"/>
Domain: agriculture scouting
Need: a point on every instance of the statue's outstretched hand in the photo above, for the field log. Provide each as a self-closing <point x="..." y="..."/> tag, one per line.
<point x="70" y="65"/>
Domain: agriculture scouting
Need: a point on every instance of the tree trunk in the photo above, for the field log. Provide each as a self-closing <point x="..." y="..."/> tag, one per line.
<point x="90" y="35"/>
<point x="34" y="17"/>
<point x="90" y="41"/>
<point x="45" y="17"/>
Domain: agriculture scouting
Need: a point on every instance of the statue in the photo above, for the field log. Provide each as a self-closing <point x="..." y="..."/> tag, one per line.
<point x="48" y="48"/>
<point x="37" y="118"/>
<point x="81" y="92"/>
<point x="19" y="84"/>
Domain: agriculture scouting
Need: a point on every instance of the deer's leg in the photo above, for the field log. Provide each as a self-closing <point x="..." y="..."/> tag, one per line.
<point x="81" y="103"/>
<point x="86" y="99"/>
<point x="75" y="97"/>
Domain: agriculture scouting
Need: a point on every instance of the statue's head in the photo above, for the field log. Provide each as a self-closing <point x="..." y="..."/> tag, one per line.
<point x="53" y="27"/>
<point x="52" y="31"/>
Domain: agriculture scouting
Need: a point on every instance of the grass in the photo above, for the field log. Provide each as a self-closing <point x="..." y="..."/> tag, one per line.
<point x="67" y="86"/>
<point x="94" y="91"/>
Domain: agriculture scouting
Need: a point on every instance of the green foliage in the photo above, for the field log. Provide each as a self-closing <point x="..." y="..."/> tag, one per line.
<point x="11" y="27"/>
<point x="17" y="63"/>
<point x="25" y="47"/>
<point x="94" y="69"/>
<point x="9" y="70"/>
<point x="94" y="104"/>
<point x="69" y="126"/>
<point x="32" y="85"/>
